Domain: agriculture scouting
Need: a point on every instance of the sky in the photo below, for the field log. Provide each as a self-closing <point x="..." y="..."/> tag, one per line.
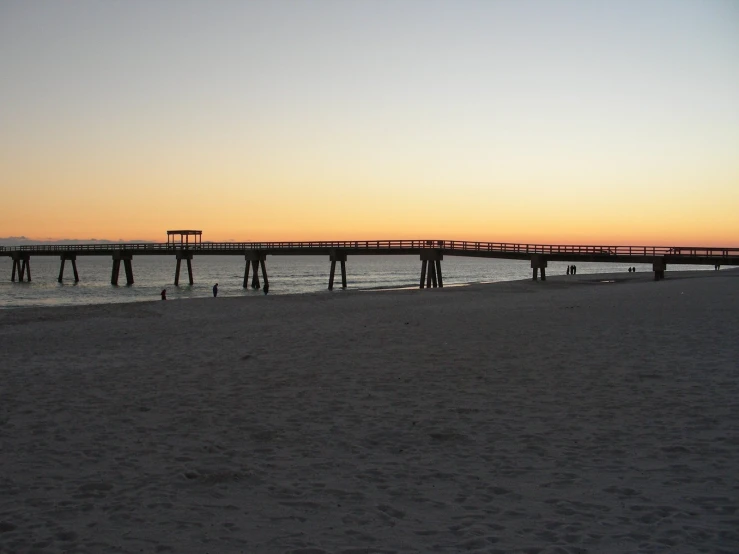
<point x="541" y="121"/>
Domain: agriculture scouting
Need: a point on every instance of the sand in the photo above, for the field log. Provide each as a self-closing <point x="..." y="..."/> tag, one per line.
<point x="566" y="416"/>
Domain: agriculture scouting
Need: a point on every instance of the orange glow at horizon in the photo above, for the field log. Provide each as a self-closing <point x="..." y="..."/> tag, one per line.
<point x="627" y="136"/>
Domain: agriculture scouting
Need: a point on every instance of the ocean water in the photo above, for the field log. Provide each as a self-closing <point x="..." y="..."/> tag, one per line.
<point x="287" y="275"/>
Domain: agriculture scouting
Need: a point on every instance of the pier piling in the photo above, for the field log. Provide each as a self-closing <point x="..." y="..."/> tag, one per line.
<point x="187" y="256"/>
<point x="659" y="265"/>
<point x="255" y="275"/>
<point x="539" y="262"/>
<point x="127" y="260"/>
<point x="128" y="266"/>
<point x="337" y="256"/>
<point x="114" y="274"/>
<point x="264" y="274"/>
<point x="21" y="266"/>
<point x="72" y="258"/>
<point x="431" y="269"/>
<point x="254" y="260"/>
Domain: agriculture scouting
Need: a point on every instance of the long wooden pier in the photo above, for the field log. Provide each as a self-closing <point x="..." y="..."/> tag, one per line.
<point x="431" y="253"/>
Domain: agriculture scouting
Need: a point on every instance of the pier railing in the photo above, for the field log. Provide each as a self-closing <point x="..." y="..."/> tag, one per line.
<point x="394" y="245"/>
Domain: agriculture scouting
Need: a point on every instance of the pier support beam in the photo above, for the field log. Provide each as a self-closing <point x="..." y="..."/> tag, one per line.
<point x="21" y="266"/>
<point x="438" y="273"/>
<point x="431" y="278"/>
<point x="431" y="269"/>
<point x="72" y="258"/>
<point x="127" y="260"/>
<point x="539" y="262"/>
<point x="254" y="260"/>
<point x="337" y="256"/>
<point x="659" y="266"/>
<point x="187" y="256"/>
<point x="255" y="275"/>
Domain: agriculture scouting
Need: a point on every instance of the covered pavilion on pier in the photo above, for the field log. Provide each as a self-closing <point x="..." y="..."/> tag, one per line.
<point x="185" y="235"/>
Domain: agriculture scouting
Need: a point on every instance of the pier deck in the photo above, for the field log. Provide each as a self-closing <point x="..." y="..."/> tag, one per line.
<point x="431" y="253"/>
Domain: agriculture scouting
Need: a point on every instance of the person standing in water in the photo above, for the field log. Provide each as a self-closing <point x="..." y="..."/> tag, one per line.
<point x="215" y="290"/>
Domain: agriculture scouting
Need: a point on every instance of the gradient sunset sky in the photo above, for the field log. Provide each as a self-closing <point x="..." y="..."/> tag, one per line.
<point x="543" y="121"/>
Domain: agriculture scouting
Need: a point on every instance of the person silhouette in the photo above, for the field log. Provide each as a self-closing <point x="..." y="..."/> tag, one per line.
<point x="215" y="290"/>
<point x="164" y="294"/>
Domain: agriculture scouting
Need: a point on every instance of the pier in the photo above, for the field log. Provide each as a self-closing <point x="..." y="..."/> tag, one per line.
<point x="431" y="253"/>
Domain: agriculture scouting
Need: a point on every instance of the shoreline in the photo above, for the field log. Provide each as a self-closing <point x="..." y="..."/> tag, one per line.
<point x="519" y="416"/>
<point x="583" y="277"/>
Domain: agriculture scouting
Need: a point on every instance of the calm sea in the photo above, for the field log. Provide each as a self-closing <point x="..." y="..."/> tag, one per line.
<point x="287" y="275"/>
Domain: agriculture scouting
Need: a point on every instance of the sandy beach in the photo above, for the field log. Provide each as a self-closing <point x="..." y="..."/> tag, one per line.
<point x="583" y="414"/>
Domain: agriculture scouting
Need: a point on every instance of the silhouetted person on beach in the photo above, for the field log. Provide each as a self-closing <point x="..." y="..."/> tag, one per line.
<point x="568" y="270"/>
<point x="215" y="290"/>
<point x="164" y="294"/>
<point x="574" y="270"/>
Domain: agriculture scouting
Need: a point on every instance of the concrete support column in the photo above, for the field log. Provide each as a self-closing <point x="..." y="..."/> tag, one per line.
<point x="187" y="256"/>
<point x="116" y="270"/>
<point x="127" y="260"/>
<point x="21" y="266"/>
<point x="255" y="275"/>
<point x="264" y="275"/>
<point x="254" y="260"/>
<point x="539" y="262"/>
<point x="72" y="258"/>
<point x="659" y="265"/>
<point x="128" y="266"/>
<point x="431" y="268"/>
<point x="337" y="256"/>
<point x="432" y="275"/>
<point x="189" y="270"/>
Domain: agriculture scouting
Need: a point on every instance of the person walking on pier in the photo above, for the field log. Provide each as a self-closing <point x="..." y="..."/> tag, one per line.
<point x="215" y="290"/>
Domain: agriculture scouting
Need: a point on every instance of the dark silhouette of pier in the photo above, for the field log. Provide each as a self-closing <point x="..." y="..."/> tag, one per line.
<point x="431" y="253"/>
